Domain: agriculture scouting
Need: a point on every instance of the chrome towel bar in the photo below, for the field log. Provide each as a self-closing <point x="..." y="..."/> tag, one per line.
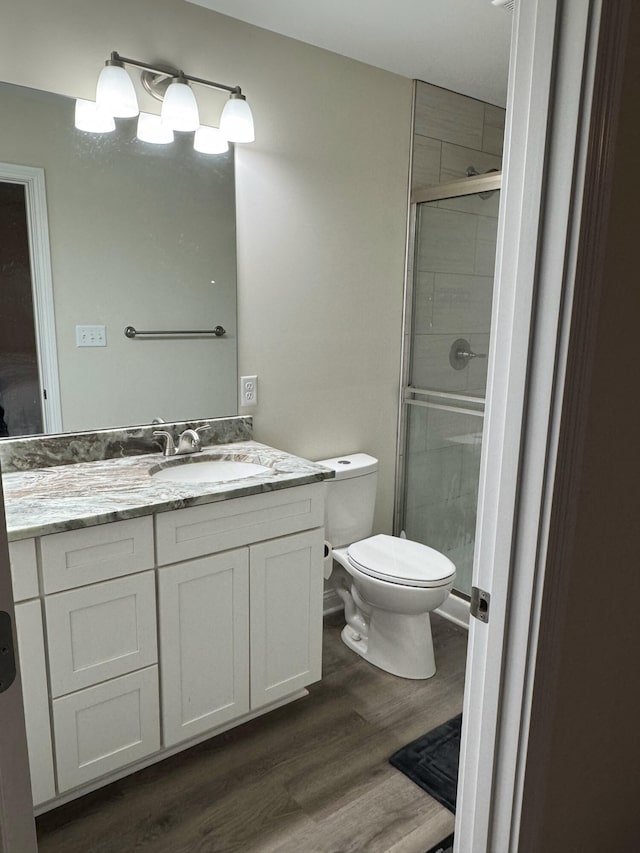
<point x="217" y="332"/>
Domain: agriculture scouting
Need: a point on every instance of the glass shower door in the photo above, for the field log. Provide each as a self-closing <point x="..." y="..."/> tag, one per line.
<point x="443" y="400"/>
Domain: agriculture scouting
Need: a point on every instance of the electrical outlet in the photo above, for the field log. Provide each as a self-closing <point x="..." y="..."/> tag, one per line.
<point x="248" y="390"/>
<point x="91" y="336"/>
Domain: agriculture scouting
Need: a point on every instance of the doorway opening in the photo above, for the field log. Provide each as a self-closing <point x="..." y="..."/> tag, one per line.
<point x="20" y="395"/>
<point x="29" y="387"/>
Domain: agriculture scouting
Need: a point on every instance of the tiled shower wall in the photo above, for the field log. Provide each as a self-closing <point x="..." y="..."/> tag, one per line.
<point x="453" y="278"/>
<point x="452" y="132"/>
<point x="453" y="285"/>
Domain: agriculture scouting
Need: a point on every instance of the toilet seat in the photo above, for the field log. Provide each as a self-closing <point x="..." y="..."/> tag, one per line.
<point x="401" y="561"/>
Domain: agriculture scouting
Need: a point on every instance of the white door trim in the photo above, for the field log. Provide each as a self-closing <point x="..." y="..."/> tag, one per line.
<point x="32" y="178"/>
<point x="551" y="76"/>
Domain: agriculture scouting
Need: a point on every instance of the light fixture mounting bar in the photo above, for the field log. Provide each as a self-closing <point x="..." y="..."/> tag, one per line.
<point x="174" y="72"/>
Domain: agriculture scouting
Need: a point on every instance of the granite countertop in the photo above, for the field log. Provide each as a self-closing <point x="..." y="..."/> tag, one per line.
<point x="65" y="497"/>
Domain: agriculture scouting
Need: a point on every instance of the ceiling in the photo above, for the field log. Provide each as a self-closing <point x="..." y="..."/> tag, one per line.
<point x="462" y="45"/>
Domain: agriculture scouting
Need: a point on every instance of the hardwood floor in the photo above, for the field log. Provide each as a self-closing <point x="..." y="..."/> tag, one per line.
<point x="311" y="777"/>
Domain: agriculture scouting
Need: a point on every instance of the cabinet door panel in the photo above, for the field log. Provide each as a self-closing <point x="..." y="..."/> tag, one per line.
<point x="102" y="631"/>
<point x="36" y="699"/>
<point x="204" y="643"/>
<point x="286" y="615"/>
<point x="103" y="728"/>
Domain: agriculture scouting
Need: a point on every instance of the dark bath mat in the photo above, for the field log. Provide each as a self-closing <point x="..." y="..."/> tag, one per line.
<point x="445" y="846"/>
<point x="431" y="761"/>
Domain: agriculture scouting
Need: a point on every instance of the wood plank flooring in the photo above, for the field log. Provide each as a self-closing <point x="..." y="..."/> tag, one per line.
<point x="312" y="777"/>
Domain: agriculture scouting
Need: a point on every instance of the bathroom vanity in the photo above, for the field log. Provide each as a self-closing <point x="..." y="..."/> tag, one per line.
<point x="152" y="614"/>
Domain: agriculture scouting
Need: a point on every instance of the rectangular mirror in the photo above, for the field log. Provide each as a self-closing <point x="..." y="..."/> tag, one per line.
<point x="140" y="235"/>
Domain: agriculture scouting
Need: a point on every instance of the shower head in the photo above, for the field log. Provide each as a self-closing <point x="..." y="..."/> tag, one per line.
<point x="504" y="4"/>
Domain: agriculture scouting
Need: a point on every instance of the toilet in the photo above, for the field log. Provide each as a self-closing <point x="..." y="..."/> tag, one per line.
<point x="388" y="585"/>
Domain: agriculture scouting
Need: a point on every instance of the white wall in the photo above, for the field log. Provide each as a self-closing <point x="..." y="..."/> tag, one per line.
<point x="321" y="199"/>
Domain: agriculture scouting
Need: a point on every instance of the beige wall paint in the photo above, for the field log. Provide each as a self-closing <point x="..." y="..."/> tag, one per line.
<point x="321" y="205"/>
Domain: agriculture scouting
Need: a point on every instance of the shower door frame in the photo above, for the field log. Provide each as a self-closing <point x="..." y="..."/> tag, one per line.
<point x="437" y="192"/>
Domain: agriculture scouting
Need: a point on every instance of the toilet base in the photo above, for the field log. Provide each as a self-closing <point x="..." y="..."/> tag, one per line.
<point x="400" y="644"/>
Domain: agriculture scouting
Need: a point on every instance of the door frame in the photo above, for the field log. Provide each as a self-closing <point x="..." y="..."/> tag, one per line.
<point x="33" y="180"/>
<point x="552" y="77"/>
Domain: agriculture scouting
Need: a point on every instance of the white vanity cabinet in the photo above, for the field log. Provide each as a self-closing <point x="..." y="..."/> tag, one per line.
<point x="204" y="642"/>
<point x="286" y="615"/>
<point x="33" y="672"/>
<point x="239" y="629"/>
<point x="33" y="669"/>
<point x="103" y="638"/>
<point x="163" y="630"/>
<point x="101" y="631"/>
<point x="106" y="727"/>
<point x="100" y="612"/>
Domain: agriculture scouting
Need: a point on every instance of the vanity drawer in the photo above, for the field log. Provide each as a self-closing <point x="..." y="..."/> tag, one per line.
<point x="102" y="631"/>
<point x="186" y="533"/>
<point x="103" y="728"/>
<point x="24" y="569"/>
<point x="80" y="557"/>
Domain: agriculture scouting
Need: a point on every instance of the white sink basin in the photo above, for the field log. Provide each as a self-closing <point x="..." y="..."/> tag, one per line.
<point x="208" y="471"/>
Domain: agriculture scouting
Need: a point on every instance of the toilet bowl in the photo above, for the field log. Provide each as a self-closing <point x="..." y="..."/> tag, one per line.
<point x="388" y="585"/>
<point x="394" y="584"/>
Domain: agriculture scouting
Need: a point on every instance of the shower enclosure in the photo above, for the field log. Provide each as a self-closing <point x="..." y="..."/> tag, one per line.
<point x="447" y="328"/>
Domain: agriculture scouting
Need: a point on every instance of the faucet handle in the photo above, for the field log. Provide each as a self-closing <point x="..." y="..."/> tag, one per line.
<point x="169" y="448"/>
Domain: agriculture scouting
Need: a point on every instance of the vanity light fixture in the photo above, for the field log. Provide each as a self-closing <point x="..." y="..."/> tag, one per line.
<point x="116" y="97"/>
<point x="152" y="129"/>
<point x="179" y="107"/>
<point x="236" y="121"/>
<point x="210" y="140"/>
<point x="90" y="118"/>
<point x="115" y="93"/>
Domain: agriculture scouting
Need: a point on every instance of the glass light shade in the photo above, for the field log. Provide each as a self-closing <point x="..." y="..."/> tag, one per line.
<point x="210" y="140"/>
<point x="115" y="93"/>
<point x="151" y="129"/>
<point x="179" y="108"/>
<point x="90" y="118"/>
<point x="236" y="121"/>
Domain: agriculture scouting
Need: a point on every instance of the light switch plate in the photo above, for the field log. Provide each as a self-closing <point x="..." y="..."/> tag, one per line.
<point x="91" y="336"/>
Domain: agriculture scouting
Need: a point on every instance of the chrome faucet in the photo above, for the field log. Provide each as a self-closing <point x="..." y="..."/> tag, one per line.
<point x="188" y="442"/>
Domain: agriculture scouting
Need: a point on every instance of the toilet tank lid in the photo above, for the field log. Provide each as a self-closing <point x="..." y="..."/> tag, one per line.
<point x="352" y="465"/>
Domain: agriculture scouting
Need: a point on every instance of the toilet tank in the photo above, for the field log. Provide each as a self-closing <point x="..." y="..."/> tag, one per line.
<point x="350" y="498"/>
